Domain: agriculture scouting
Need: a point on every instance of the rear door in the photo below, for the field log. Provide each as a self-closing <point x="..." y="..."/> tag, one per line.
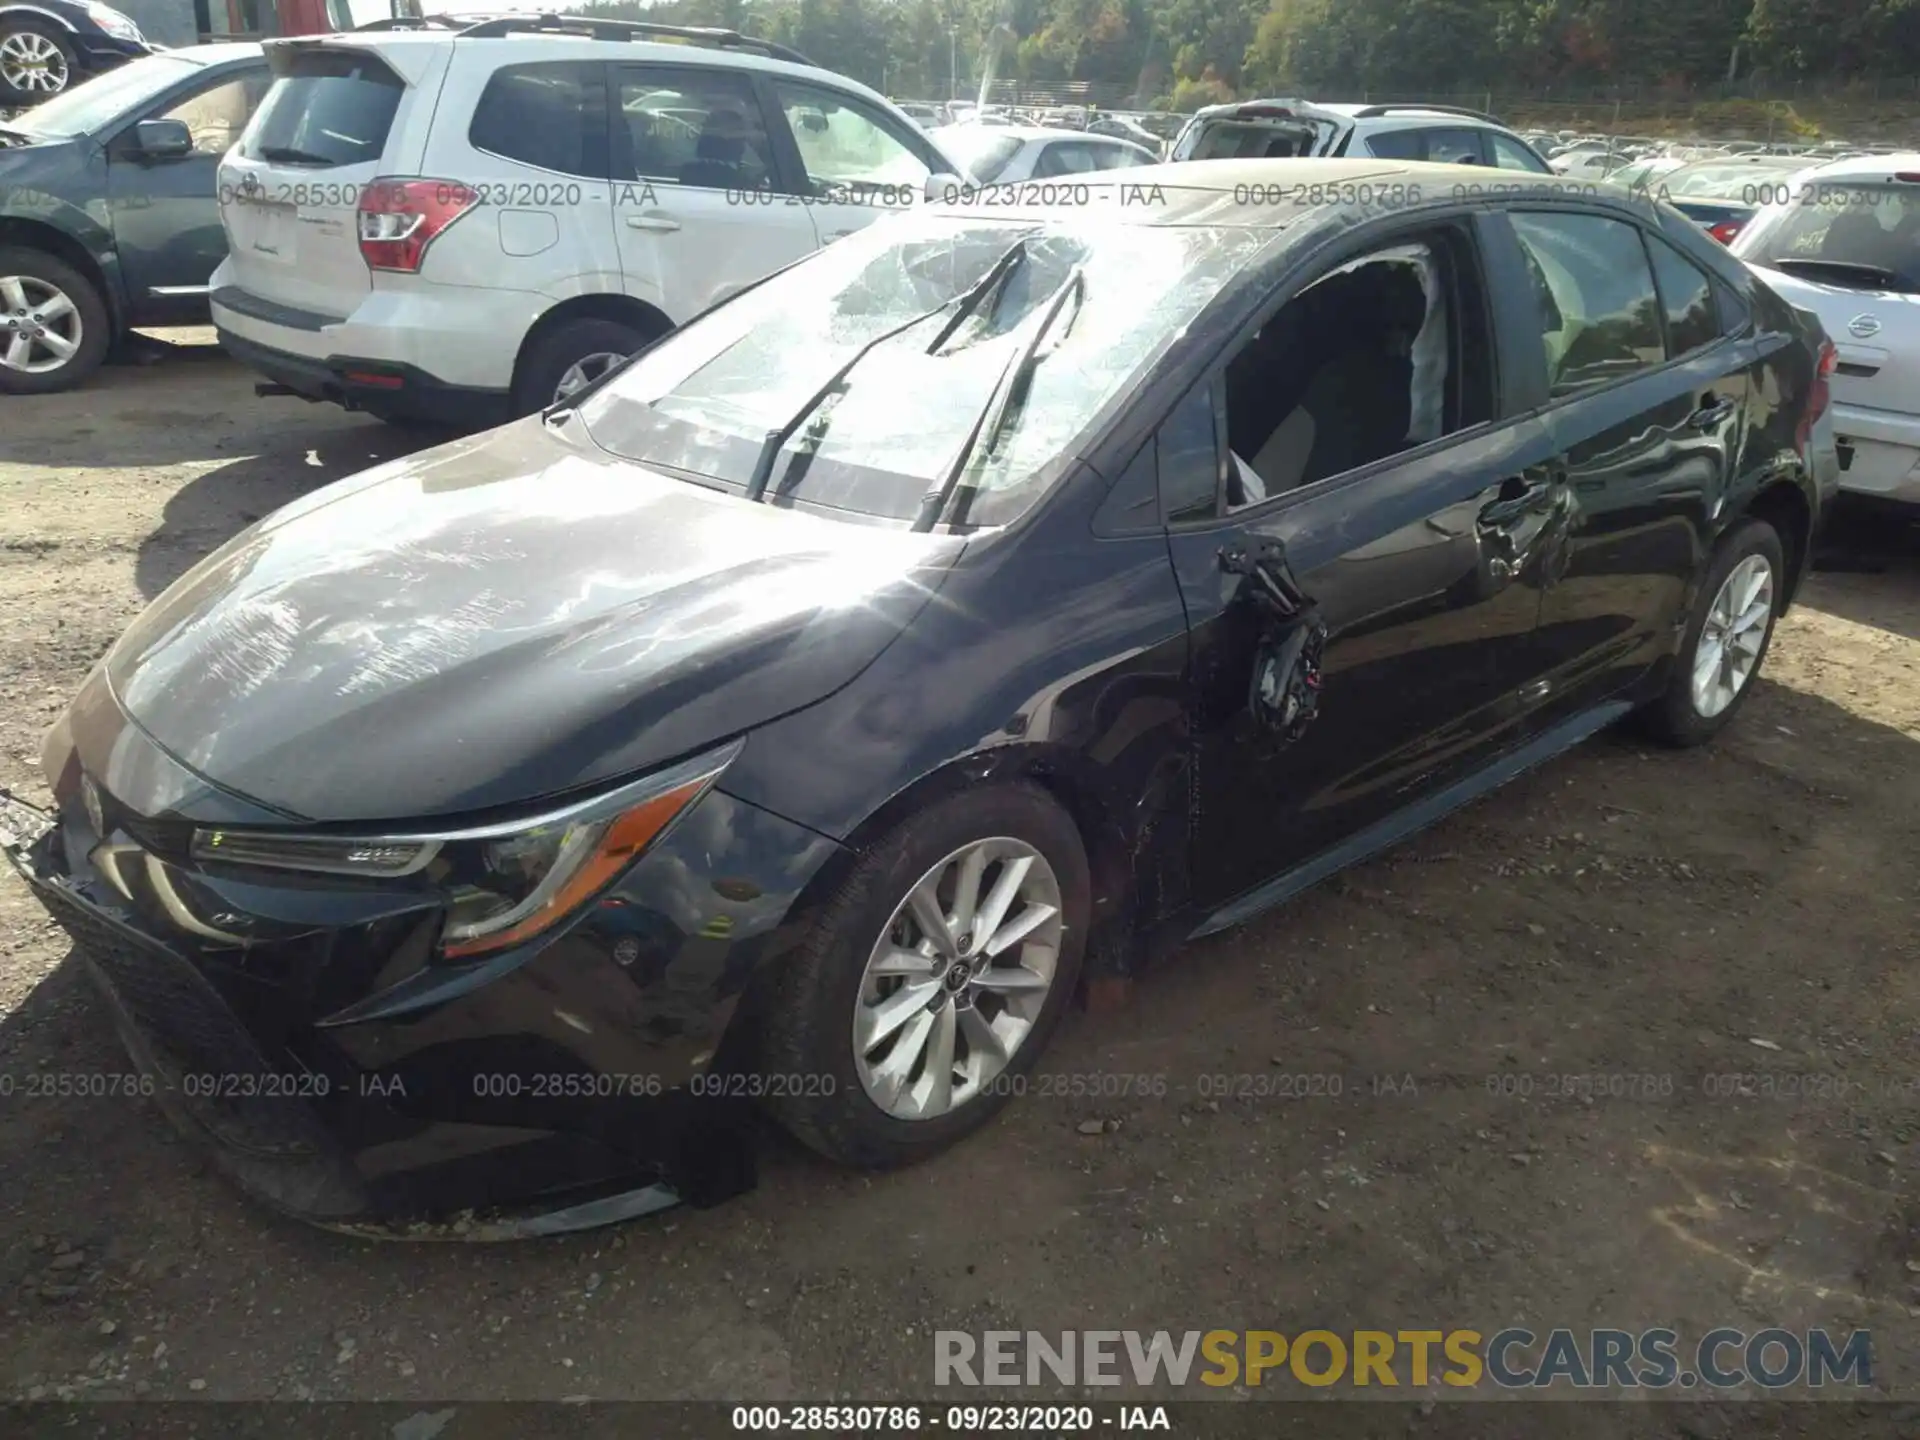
<point x="166" y="214"/>
<point x="704" y="201"/>
<point x="291" y="188"/>
<point x="1647" y="398"/>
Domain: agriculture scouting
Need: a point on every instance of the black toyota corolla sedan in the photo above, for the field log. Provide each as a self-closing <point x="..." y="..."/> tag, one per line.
<point x="794" y="721"/>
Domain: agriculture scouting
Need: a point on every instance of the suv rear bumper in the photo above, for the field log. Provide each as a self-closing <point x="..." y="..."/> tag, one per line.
<point x="379" y="387"/>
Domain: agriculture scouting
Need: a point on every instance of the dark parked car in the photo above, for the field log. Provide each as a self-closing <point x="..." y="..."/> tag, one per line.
<point x="990" y="602"/>
<point x="47" y="46"/>
<point x="108" y="212"/>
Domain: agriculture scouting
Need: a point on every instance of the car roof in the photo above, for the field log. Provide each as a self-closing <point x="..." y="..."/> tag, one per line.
<point x="1903" y="162"/>
<point x="574" y="46"/>
<point x="216" y="54"/>
<point x="1274" y="194"/>
<point x="1042" y="132"/>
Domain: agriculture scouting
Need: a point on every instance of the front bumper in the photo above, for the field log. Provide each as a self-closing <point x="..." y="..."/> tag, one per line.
<point x="578" y="1084"/>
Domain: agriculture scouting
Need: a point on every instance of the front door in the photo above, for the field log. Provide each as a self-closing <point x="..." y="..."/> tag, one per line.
<point x="1357" y="439"/>
<point x="702" y="205"/>
<point x="166" y="212"/>
<point x="857" y="162"/>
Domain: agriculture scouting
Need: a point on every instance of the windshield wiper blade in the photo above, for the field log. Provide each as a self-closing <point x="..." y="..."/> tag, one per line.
<point x="292" y="155"/>
<point x="969" y="302"/>
<point x="776" y="440"/>
<point x="988" y="424"/>
<point x="1844" y="267"/>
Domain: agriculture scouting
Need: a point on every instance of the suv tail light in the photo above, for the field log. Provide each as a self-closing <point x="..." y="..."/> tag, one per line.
<point x="1725" y="230"/>
<point x="399" y="219"/>
<point x="1820" y="393"/>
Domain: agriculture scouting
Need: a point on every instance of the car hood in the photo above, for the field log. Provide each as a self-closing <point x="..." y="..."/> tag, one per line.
<point x="503" y="619"/>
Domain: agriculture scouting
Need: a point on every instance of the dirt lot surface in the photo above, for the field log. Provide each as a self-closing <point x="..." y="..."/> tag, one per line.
<point x="1665" y="919"/>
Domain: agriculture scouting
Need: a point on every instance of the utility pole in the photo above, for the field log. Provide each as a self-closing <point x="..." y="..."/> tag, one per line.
<point x="953" y="63"/>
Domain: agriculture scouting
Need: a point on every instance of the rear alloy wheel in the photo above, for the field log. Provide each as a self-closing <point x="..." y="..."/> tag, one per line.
<point x="53" y="324"/>
<point x="34" y="62"/>
<point x="1726" y="639"/>
<point x="932" y="981"/>
<point x="569" y="358"/>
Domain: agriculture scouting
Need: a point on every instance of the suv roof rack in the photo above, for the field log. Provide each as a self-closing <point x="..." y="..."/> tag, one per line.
<point x="1369" y="112"/>
<point x="630" y="30"/>
<point x="418" y="22"/>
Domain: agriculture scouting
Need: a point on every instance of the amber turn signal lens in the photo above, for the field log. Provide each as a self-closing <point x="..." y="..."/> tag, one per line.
<point x="625" y="838"/>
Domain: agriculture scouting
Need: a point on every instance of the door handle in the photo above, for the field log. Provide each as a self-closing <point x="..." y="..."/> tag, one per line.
<point x="1710" y="414"/>
<point x="1516" y="503"/>
<point x="659" y="224"/>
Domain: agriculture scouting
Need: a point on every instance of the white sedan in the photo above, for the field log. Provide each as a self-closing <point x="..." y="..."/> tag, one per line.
<point x="1003" y="154"/>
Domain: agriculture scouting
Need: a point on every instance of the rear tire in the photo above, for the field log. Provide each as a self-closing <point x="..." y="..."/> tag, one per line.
<point x="62" y="311"/>
<point x="36" y="61"/>
<point x="573" y="353"/>
<point x="830" y="994"/>
<point x="1726" y="640"/>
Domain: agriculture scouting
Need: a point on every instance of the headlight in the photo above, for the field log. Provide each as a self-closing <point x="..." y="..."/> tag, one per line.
<point x="113" y="22"/>
<point x="505" y="883"/>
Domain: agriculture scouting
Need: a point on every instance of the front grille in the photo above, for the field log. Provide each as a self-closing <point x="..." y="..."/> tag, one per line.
<point x="184" y="1034"/>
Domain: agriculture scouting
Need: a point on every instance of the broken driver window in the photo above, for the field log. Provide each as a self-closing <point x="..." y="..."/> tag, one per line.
<point x="1386" y="353"/>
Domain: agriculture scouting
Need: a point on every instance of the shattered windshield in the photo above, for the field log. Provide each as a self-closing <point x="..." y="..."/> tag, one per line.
<point x="705" y="401"/>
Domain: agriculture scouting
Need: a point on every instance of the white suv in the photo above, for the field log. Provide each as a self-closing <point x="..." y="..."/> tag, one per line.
<point x="465" y="225"/>
<point x="1262" y="129"/>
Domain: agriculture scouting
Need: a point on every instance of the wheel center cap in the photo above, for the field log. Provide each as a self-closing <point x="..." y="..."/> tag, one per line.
<point x="957" y="976"/>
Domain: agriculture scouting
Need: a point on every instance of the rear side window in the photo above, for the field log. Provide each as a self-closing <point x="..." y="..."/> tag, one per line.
<point x="1510" y="154"/>
<point x="552" y="115"/>
<point x="1599" y="311"/>
<point x="1453" y="147"/>
<point x="1397" y="145"/>
<point x="1069" y="157"/>
<point x="329" y="109"/>
<point x="1686" y="295"/>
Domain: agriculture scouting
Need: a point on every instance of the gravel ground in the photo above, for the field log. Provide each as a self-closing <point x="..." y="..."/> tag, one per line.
<point x="1624" y="912"/>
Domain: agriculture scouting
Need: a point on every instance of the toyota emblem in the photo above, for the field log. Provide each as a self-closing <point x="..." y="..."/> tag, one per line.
<point x="1863" y="327"/>
<point x="90" y="798"/>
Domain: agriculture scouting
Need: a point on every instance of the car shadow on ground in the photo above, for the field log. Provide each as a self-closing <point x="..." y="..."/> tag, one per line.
<point x="1622" y="915"/>
<point x="1867" y="568"/>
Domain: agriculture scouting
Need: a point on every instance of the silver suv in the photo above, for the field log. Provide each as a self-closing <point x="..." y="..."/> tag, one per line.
<point x="1271" y="129"/>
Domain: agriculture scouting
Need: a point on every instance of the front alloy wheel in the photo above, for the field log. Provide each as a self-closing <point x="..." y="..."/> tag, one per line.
<point x="40" y="327"/>
<point x="931" y="978"/>
<point x="958" y="978"/>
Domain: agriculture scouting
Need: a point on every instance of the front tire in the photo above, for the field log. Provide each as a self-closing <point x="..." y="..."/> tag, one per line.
<point x="932" y="981"/>
<point x="1726" y="638"/>
<point x="54" y="326"/>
